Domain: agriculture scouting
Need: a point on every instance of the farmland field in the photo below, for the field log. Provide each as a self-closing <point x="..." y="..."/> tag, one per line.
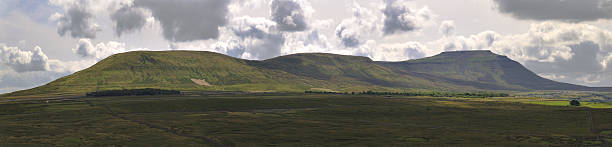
<point x="301" y="120"/>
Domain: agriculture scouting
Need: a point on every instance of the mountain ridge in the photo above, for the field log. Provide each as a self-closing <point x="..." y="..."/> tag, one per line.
<point x="447" y="71"/>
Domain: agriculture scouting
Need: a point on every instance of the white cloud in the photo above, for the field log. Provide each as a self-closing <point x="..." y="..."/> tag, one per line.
<point x="447" y="28"/>
<point x="100" y="51"/>
<point x="351" y="31"/>
<point x="59" y="66"/>
<point x="393" y="52"/>
<point x="553" y="76"/>
<point x="258" y="37"/>
<point x="22" y="60"/>
<point x="306" y="42"/>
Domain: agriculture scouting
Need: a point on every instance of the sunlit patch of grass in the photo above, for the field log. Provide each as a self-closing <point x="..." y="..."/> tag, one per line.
<point x="455" y="104"/>
<point x="548" y="102"/>
<point x="597" y="105"/>
<point x="609" y="132"/>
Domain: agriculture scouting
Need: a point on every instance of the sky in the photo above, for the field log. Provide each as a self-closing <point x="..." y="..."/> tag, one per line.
<point x="564" y="40"/>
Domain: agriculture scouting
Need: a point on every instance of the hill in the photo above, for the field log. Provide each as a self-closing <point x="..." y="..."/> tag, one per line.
<point x="481" y="69"/>
<point x="187" y="70"/>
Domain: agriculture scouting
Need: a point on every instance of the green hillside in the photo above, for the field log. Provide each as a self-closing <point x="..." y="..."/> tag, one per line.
<point x="187" y="70"/>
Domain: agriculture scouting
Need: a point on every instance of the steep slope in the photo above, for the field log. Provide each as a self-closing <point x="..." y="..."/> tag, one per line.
<point x="186" y="70"/>
<point x="481" y="69"/>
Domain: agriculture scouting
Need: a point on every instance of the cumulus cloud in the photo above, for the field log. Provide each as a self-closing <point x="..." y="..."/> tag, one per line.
<point x="256" y="38"/>
<point x="393" y="52"/>
<point x="187" y="20"/>
<point x="22" y="60"/>
<point x="363" y="21"/>
<point x="128" y="19"/>
<point x="100" y="51"/>
<point x="483" y="40"/>
<point x="289" y="15"/>
<point x="77" y="21"/>
<point x="400" y="18"/>
<point x="563" y="10"/>
<point x="447" y="28"/>
<point x="307" y="42"/>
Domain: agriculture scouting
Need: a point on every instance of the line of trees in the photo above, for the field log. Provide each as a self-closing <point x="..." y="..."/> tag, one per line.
<point x="133" y="92"/>
<point x="432" y="94"/>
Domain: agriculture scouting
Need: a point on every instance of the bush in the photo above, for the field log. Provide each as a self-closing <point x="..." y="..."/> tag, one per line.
<point x="575" y="103"/>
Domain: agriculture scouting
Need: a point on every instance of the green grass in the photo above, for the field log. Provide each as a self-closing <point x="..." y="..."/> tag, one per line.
<point x="295" y="120"/>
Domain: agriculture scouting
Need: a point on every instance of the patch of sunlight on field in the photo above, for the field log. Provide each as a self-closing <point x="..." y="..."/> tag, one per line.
<point x="597" y="105"/>
<point x="548" y="103"/>
<point x="454" y="103"/>
<point x="566" y="103"/>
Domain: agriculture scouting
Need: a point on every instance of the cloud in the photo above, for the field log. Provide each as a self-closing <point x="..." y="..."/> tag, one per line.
<point x="483" y="40"/>
<point x="307" y="42"/>
<point x="77" y="21"/>
<point x="350" y="30"/>
<point x="187" y="20"/>
<point x="400" y="18"/>
<point x="239" y="6"/>
<point x="24" y="61"/>
<point x="393" y="52"/>
<point x="13" y="81"/>
<point x="288" y="14"/>
<point x="562" y="10"/>
<point x="256" y="38"/>
<point x="447" y="28"/>
<point x="128" y="19"/>
<point x="100" y="51"/>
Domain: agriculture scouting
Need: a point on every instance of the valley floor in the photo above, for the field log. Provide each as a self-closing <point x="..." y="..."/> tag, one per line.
<point x="300" y="120"/>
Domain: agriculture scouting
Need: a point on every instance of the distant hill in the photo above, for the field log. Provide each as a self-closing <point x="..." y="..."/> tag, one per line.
<point x="208" y="71"/>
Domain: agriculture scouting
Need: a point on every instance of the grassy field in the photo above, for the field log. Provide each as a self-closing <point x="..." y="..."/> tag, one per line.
<point x="300" y="120"/>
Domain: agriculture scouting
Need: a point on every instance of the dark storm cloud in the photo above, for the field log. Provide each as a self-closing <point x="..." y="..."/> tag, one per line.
<point x="188" y="20"/>
<point x="563" y="10"/>
<point x="128" y="19"/>
<point x="289" y="16"/>
<point x="77" y="21"/>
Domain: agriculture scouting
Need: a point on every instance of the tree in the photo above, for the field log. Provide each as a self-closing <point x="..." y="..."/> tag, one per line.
<point x="574" y="103"/>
